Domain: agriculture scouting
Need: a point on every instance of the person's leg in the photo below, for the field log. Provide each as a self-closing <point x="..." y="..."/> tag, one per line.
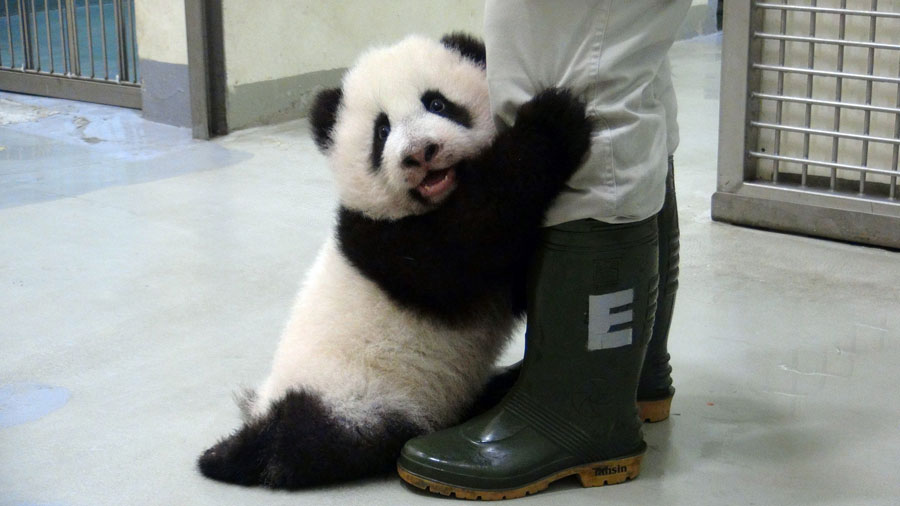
<point x="655" y="388"/>
<point x="592" y="299"/>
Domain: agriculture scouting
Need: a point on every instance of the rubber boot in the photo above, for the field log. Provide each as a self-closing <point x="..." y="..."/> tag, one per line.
<point x="655" y="389"/>
<point x="591" y="303"/>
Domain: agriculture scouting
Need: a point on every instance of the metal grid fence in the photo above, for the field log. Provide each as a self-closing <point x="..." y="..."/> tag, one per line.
<point x="81" y="49"/>
<point x="810" y="123"/>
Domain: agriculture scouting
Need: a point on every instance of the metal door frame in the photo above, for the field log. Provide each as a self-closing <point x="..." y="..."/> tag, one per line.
<point x="71" y="83"/>
<point x="743" y="198"/>
<point x="206" y="66"/>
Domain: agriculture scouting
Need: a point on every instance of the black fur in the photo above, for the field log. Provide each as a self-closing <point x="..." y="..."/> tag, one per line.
<point x="466" y="45"/>
<point x="322" y="116"/>
<point x="449" y="110"/>
<point x="478" y="243"/>
<point x="300" y="443"/>
<point x="377" y="142"/>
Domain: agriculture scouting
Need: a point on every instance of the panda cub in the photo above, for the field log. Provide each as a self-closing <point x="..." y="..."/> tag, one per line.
<point x="399" y="321"/>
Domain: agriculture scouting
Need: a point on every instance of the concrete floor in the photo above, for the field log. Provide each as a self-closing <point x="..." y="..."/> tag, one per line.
<point x="145" y="277"/>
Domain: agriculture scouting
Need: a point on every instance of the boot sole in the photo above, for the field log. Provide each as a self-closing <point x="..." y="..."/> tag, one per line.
<point x="598" y="474"/>
<point x="654" y="411"/>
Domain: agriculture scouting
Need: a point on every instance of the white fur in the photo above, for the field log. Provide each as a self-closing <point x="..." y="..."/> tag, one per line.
<point x="392" y="80"/>
<point x="346" y="339"/>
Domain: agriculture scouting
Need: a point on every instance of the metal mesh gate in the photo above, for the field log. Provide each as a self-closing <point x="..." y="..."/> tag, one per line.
<point x="78" y="49"/>
<point x="810" y="120"/>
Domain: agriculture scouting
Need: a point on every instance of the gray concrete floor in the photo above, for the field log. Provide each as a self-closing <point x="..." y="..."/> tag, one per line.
<point x="145" y="276"/>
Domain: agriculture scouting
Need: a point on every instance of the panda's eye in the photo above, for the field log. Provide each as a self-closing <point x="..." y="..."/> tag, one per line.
<point x="437" y="105"/>
<point x="384" y="131"/>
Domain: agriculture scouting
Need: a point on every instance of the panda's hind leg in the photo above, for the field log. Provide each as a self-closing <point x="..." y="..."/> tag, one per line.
<point x="300" y="443"/>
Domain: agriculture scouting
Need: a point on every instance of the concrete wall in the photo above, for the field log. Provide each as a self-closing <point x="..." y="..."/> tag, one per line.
<point x="280" y="52"/>
<point x="161" y="30"/>
<point x="162" y="50"/>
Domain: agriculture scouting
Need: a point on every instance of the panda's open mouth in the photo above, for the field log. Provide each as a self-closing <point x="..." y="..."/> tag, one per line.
<point x="437" y="183"/>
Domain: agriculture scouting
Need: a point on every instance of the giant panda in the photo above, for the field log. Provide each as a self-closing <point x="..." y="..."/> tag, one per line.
<point x="407" y="305"/>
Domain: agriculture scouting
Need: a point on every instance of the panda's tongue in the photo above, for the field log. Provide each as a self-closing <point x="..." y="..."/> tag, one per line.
<point x="436" y="182"/>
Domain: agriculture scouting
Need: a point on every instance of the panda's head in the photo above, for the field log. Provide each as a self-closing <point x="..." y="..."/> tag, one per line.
<point x="403" y="119"/>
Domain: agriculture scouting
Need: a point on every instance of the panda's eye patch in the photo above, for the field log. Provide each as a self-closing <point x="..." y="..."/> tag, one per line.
<point x="381" y="131"/>
<point x="436" y="103"/>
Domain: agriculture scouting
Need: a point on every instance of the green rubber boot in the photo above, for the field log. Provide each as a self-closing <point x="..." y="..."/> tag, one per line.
<point x="592" y="298"/>
<point x="655" y="391"/>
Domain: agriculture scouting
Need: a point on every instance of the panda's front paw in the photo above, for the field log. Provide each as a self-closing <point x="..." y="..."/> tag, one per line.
<point x="560" y="121"/>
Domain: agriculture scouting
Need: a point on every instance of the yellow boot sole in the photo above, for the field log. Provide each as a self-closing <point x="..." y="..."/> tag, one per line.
<point x="654" y="411"/>
<point x="598" y="474"/>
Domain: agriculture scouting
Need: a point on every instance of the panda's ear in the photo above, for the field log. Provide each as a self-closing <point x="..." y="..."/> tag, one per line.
<point x="468" y="46"/>
<point x="322" y="116"/>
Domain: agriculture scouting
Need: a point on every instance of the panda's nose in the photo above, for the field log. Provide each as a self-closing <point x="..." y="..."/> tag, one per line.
<point x="421" y="157"/>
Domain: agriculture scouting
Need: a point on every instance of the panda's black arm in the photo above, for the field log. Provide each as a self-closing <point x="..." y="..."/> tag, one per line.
<point x="423" y="262"/>
<point x="507" y="190"/>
